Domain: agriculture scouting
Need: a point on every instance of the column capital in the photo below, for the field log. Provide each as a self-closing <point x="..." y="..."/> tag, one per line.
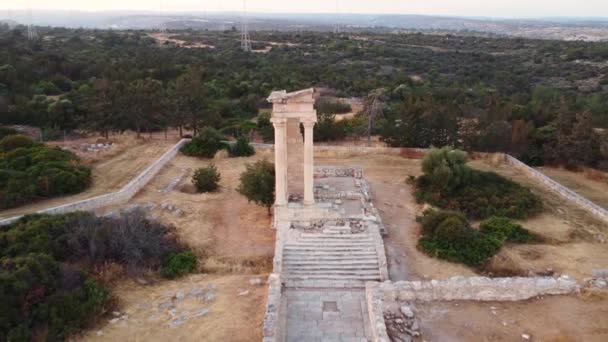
<point x="278" y="121"/>
<point x="308" y="122"/>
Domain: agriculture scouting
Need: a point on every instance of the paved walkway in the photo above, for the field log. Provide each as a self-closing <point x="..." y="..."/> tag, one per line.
<point x="326" y="315"/>
<point x="326" y="264"/>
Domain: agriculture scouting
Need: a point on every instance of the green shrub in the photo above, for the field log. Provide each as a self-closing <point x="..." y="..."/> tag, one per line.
<point x="29" y="171"/>
<point x="205" y="145"/>
<point x="242" y="148"/>
<point x="45" y="261"/>
<point x="450" y="184"/>
<point x="264" y="128"/>
<point x="507" y="231"/>
<point x="206" y="179"/>
<point x="447" y="235"/>
<point x="13" y="142"/>
<point x="258" y="182"/>
<point x="6" y="131"/>
<point x="179" y="264"/>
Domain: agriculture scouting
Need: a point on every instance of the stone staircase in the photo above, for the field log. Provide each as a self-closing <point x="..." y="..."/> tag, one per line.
<point x="334" y="257"/>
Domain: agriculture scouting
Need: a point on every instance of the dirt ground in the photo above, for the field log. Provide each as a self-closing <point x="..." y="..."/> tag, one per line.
<point x="581" y="183"/>
<point x="234" y="239"/>
<point x="233" y="311"/>
<point x="576" y="241"/>
<point x="571" y="318"/>
<point x="112" y="169"/>
<point x="398" y="209"/>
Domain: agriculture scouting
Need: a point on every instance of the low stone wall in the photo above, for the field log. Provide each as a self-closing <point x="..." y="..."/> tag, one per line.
<point x="566" y="193"/>
<point x="121" y="196"/>
<point x="274" y="314"/>
<point x="338" y="171"/>
<point x="458" y="288"/>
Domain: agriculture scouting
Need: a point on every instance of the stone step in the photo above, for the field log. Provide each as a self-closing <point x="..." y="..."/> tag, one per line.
<point x="323" y="240"/>
<point x="345" y="261"/>
<point x="333" y="277"/>
<point x="330" y="261"/>
<point x="324" y="283"/>
<point x="313" y="248"/>
<point x="331" y="269"/>
<point x="328" y="255"/>
<point x="330" y="244"/>
<point x="332" y="272"/>
<point x="335" y="236"/>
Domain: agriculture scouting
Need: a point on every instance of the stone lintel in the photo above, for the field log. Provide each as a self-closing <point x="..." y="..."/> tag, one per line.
<point x="302" y="116"/>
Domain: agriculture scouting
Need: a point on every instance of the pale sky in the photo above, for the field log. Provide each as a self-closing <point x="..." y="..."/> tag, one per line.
<point x="491" y="8"/>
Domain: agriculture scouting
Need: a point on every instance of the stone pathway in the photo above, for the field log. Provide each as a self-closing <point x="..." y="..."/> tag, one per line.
<point x="326" y="263"/>
<point x="326" y="315"/>
<point x="334" y="257"/>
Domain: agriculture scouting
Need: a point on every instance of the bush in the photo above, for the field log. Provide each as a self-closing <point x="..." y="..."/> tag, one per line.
<point x="258" y="182"/>
<point x="45" y="261"/>
<point x="205" y="145"/>
<point x="16" y="141"/>
<point x="206" y="179"/>
<point x="6" y="131"/>
<point x="264" y="128"/>
<point x="507" y="231"/>
<point x="37" y="171"/>
<point x="242" y="148"/>
<point x="179" y="264"/>
<point x="449" y="183"/>
<point x="447" y="235"/>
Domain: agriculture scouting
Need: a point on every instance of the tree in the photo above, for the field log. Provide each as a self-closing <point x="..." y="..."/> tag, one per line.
<point x="446" y="169"/>
<point x="206" y="179"/>
<point x="258" y="182"/>
<point x="143" y="100"/>
<point x="192" y="103"/>
<point x="374" y="109"/>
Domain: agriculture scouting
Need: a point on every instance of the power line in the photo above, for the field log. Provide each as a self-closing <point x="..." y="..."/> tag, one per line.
<point x="163" y="25"/>
<point x="337" y="24"/>
<point x="245" y="40"/>
<point x="31" y="30"/>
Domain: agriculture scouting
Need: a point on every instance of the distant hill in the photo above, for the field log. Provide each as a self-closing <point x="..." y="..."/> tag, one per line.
<point x="11" y="23"/>
<point x="590" y="29"/>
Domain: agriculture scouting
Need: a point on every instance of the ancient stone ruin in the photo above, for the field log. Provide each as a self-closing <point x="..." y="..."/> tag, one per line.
<point x="330" y="280"/>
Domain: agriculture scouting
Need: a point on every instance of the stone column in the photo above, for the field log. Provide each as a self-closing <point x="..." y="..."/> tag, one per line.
<point x="309" y="196"/>
<point x="280" y="160"/>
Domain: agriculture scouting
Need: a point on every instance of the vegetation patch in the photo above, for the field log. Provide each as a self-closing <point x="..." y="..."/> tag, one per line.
<point x="449" y="183"/>
<point x="29" y="170"/>
<point x="204" y="145"/>
<point x="242" y="148"/>
<point x="508" y="231"/>
<point x="206" y="179"/>
<point x="258" y="182"/>
<point x="448" y="235"/>
<point x="179" y="264"/>
<point x="48" y="289"/>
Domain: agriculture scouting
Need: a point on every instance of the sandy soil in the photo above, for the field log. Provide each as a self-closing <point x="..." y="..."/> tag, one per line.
<point x="229" y="234"/>
<point x="575" y="239"/>
<point x="230" y="317"/>
<point x="222" y="224"/>
<point x="112" y="169"/>
<point x="574" y="318"/>
<point x="161" y="38"/>
<point x="594" y="190"/>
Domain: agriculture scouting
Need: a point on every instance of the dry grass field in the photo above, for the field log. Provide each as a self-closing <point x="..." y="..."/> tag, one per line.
<point x="591" y="184"/>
